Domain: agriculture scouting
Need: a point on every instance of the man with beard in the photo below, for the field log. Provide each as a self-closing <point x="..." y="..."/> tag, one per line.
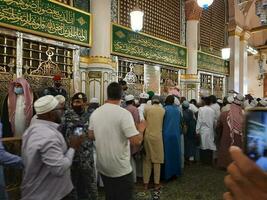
<point x="75" y="122"/>
<point x="17" y="108"/>
<point x="45" y="155"/>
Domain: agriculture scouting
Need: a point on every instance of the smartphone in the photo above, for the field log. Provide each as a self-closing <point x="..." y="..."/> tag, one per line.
<point x="256" y="136"/>
<point x="78" y="131"/>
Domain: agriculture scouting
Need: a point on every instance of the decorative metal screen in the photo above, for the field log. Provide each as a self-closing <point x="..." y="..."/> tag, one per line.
<point x="206" y="82"/>
<point x="124" y="67"/>
<point x="218" y="86"/>
<point x="161" y="18"/>
<point x="212" y="27"/>
<point x="7" y="52"/>
<point x="168" y="79"/>
<point x="34" y="53"/>
<point x="168" y="74"/>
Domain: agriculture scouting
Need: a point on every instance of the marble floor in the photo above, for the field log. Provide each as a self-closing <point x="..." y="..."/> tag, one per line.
<point x="197" y="183"/>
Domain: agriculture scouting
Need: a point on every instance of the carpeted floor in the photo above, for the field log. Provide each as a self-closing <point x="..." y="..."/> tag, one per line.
<point x="197" y="183"/>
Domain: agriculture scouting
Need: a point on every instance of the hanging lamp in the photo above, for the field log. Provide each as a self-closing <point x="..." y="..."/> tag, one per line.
<point x="137" y="18"/>
<point x="204" y="3"/>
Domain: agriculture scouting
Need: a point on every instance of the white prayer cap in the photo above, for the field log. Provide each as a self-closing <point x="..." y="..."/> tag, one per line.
<point x="263" y="102"/>
<point x="247" y="104"/>
<point x="45" y="104"/>
<point x="254" y="103"/>
<point x="230" y="99"/>
<point x="176" y="101"/>
<point x="61" y="99"/>
<point x="219" y="101"/>
<point x="129" y="98"/>
<point x="94" y="100"/>
<point x="144" y="96"/>
<point x="239" y="99"/>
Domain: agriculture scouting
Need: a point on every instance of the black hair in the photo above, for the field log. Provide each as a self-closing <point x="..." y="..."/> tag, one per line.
<point x="122" y="82"/>
<point x="169" y="100"/>
<point x="114" y="91"/>
<point x="193" y="101"/>
<point x="207" y="101"/>
<point x="78" y="95"/>
<point x="213" y="99"/>
<point x="129" y="102"/>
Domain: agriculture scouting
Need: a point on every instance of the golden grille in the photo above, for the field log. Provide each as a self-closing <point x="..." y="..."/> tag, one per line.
<point x="7" y="52"/>
<point x="161" y="18"/>
<point x="212" y="26"/>
<point x="123" y="69"/>
<point x="34" y="53"/>
<point x="218" y="86"/>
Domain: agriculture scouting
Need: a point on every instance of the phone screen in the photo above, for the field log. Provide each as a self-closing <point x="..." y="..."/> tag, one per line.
<point x="78" y="131"/>
<point x="256" y="137"/>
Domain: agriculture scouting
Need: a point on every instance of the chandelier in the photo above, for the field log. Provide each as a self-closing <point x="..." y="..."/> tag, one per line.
<point x="204" y="3"/>
<point x="137" y="18"/>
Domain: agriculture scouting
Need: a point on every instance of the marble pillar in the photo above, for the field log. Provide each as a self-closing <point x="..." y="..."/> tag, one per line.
<point x="98" y="69"/>
<point x="243" y="78"/>
<point x="190" y="81"/>
<point x="234" y="44"/>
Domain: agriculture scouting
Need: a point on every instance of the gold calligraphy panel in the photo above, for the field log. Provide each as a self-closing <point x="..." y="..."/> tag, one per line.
<point x="211" y="63"/>
<point x="47" y="18"/>
<point x="144" y="47"/>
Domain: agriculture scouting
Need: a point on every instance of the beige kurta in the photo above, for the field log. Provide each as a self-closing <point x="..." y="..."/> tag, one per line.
<point x="153" y="141"/>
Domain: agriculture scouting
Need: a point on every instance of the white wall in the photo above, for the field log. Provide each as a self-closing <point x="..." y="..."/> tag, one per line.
<point x="253" y="84"/>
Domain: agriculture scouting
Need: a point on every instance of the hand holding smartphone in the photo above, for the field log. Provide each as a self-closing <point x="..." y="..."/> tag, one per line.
<point x="256" y="136"/>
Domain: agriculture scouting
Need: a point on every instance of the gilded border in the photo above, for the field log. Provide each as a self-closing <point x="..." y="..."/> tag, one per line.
<point x="144" y="59"/>
<point x="53" y="36"/>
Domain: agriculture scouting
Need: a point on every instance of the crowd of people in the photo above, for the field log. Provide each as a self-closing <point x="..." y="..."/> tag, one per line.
<point x="80" y="144"/>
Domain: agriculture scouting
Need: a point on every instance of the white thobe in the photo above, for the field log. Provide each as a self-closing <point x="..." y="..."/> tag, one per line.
<point x="20" y="117"/>
<point x="205" y="127"/>
<point x="141" y="110"/>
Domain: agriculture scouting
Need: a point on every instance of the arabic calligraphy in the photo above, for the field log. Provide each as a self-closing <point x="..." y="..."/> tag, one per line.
<point x="145" y="47"/>
<point x="46" y="17"/>
<point x="212" y="63"/>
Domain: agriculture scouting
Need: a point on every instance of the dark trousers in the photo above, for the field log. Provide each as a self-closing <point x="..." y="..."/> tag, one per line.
<point x="206" y="156"/>
<point x="119" y="188"/>
<point x="84" y="183"/>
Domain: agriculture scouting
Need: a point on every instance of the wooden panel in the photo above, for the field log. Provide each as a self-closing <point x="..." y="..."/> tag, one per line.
<point x="161" y="18"/>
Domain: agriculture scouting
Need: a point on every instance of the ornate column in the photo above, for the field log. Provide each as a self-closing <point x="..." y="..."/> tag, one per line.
<point x="98" y="68"/>
<point x="190" y="81"/>
<point x="19" y="59"/>
<point x="243" y="78"/>
<point x="234" y="43"/>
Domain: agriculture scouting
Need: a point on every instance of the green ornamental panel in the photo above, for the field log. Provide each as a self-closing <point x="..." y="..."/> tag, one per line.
<point x="211" y="63"/>
<point x="128" y="43"/>
<point x="47" y="18"/>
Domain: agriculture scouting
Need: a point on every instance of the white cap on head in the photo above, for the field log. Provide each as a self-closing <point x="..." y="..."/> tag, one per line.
<point x="230" y="99"/>
<point x="94" y="100"/>
<point x="220" y="101"/>
<point x="61" y="99"/>
<point x="144" y="96"/>
<point x="263" y="102"/>
<point x="254" y="103"/>
<point x="45" y="104"/>
<point x="129" y="98"/>
<point x="239" y="99"/>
